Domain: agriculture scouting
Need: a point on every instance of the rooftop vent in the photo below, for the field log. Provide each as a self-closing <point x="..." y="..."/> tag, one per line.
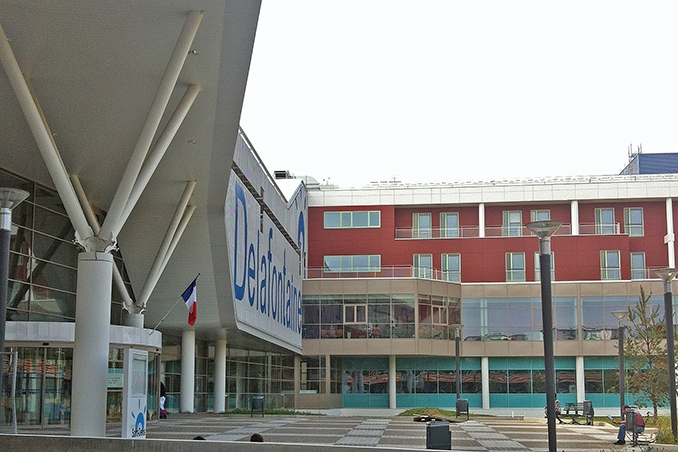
<point x="282" y="174"/>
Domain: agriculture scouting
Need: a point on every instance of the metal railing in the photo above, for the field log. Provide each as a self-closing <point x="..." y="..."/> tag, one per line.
<point x="385" y="272"/>
<point x="500" y="231"/>
<point x="425" y="273"/>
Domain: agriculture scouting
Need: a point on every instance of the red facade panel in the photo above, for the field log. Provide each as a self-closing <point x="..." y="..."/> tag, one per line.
<point x="576" y="258"/>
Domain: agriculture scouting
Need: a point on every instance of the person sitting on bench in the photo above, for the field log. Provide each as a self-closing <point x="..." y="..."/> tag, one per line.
<point x="639" y="422"/>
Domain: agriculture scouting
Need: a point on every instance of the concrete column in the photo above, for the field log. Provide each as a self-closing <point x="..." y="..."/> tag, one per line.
<point x="220" y="376"/>
<point x="579" y="376"/>
<point x="297" y="378"/>
<point x="187" y="395"/>
<point x="90" y="351"/>
<point x="670" y="238"/>
<point x="392" y="382"/>
<point x="574" y="217"/>
<point x="485" y="381"/>
<point x="328" y="377"/>
<point x="481" y="220"/>
<point x="239" y="385"/>
<point x="269" y="375"/>
<point x="134" y="320"/>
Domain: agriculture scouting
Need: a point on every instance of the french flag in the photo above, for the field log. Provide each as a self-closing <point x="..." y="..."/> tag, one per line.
<point x="191" y="299"/>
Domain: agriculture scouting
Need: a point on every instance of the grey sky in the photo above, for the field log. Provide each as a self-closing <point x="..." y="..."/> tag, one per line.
<point x="357" y="91"/>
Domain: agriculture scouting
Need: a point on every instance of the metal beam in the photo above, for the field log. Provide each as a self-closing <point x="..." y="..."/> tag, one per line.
<point x="157" y="266"/>
<point x="153" y="160"/>
<point x="46" y="145"/>
<point x="127" y="302"/>
<point x="175" y="240"/>
<point x="113" y="222"/>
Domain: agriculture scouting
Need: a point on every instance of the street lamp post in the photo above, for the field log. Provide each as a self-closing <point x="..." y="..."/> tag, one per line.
<point x="544" y="230"/>
<point x="667" y="274"/>
<point x="620" y="316"/>
<point x="457" y="351"/>
<point x="9" y="199"/>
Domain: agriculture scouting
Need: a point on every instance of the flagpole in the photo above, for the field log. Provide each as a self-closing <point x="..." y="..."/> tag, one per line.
<point x="170" y="309"/>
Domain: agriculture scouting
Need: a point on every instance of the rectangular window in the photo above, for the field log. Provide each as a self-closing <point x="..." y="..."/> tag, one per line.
<point x="515" y="266"/>
<point x="354" y="219"/>
<point x="355" y="313"/>
<point x="610" y="265"/>
<point x="358" y="263"/>
<point x="512" y="223"/>
<point x="540" y="215"/>
<point x="423" y="265"/>
<point x="451" y="266"/>
<point x="449" y="224"/>
<point x="537" y="268"/>
<point x="421" y="225"/>
<point x="360" y="220"/>
<point x="638" y="266"/>
<point x="633" y="221"/>
<point x="605" y="221"/>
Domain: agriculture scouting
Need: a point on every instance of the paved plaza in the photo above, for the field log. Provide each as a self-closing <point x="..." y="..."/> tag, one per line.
<point x="479" y="434"/>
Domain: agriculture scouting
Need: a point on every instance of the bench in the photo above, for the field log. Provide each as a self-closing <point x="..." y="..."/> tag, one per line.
<point x="580" y="409"/>
<point x="646" y="438"/>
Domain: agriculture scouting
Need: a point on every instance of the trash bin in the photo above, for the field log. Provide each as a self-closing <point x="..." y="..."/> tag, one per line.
<point x="257" y="405"/>
<point x="462" y="407"/>
<point x="438" y="435"/>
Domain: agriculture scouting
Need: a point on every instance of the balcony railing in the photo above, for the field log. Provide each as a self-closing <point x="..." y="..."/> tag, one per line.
<point x="500" y="231"/>
<point x="426" y="273"/>
<point x="386" y="272"/>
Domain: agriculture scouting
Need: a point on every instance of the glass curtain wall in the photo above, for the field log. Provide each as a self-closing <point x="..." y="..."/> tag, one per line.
<point x="43" y="258"/>
<point x="378" y="316"/>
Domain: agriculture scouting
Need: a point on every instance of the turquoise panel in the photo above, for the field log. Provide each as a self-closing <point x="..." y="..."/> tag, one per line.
<point x="601" y="362"/>
<point x="378" y="400"/>
<point x="564" y="362"/>
<point x="356" y="401"/>
<point x="531" y="363"/>
<point x="564" y="398"/>
<point x="447" y="401"/>
<point x="405" y="401"/>
<point x="427" y="400"/>
<point x="435" y="363"/>
<point x="474" y="400"/>
<point x="470" y="363"/>
<point x="499" y="401"/>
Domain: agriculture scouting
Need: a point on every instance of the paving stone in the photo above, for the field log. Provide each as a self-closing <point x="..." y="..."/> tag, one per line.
<point x="358" y="441"/>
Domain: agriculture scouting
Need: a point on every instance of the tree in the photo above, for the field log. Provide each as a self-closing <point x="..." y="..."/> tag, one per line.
<point x="646" y="355"/>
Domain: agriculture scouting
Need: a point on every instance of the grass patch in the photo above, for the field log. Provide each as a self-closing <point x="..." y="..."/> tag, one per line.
<point x="273" y="411"/>
<point x="663" y="426"/>
<point x="433" y="412"/>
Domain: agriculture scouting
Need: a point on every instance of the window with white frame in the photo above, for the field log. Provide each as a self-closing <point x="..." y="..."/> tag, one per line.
<point x="633" y="221"/>
<point x="512" y="223"/>
<point x="357" y="263"/>
<point x="355" y="313"/>
<point x="515" y="266"/>
<point x="421" y="225"/>
<point x="451" y="266"/>
<point x="353" y="219"/>
<point x="423" y="265"/>
<point x="605" y="221"/>
<point x="540" y="215"/>
<point x="537" y="267"/>
<point x="610" y="265"/>
<point x="449" y="224"/>
<point x="638" y="266"/>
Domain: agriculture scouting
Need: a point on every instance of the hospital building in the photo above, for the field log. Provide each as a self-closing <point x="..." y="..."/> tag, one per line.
<point x="120" y="123"/>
